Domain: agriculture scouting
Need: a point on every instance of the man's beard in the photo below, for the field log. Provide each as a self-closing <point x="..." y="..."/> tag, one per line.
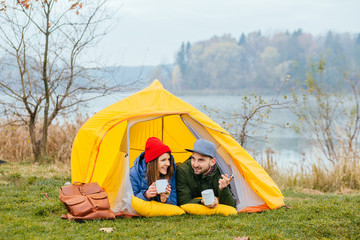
<point x="204" y="171"/>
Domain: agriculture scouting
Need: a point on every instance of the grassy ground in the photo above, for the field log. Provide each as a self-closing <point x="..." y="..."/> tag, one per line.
<point x="26" y="213"/>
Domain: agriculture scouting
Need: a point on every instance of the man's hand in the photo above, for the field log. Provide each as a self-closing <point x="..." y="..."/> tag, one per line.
<point x="224" y="181"/>
<point x="164" y="196"/>
<point x="213" y="205"/>
<point x="151" y="192"/>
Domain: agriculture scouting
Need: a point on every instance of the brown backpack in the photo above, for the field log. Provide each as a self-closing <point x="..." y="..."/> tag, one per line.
<point x="85" y="201"/>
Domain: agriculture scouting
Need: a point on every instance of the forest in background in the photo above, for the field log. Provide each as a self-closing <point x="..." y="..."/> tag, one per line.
<point x="259" y="63"/>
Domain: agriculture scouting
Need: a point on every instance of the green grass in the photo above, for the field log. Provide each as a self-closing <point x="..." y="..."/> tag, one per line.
<point x="25" y="213"/>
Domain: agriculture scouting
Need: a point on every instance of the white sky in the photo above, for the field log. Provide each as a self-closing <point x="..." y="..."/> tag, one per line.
<point x="151" y="31"/>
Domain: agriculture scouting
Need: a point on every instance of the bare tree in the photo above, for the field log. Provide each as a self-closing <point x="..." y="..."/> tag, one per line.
<point x="43" y="72"/>
<point x="251" y="119"/>
<point x="329" y="113"/>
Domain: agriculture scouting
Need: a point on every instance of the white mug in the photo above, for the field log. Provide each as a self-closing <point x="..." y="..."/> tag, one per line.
<point x="161" y="185"/>
<point x="208" y="196"/>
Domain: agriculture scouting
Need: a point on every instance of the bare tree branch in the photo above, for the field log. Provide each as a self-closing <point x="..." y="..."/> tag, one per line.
<point x="42" y="77"/>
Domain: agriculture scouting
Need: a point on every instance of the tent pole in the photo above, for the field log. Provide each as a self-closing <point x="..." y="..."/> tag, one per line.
<point x="162" y="129"/>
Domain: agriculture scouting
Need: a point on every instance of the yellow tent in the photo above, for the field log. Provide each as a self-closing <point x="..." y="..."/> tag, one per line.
<point x="108" y="143"/>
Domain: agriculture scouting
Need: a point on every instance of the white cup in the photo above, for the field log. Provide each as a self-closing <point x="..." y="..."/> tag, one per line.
<point x="161" y="185"/>
<point x="208" y="196"/>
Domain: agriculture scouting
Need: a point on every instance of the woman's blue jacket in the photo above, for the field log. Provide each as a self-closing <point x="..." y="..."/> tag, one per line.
<point x="139" y="182"/>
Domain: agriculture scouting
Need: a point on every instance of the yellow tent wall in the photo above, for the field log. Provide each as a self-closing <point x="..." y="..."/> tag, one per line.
<point x="107" y="144"/>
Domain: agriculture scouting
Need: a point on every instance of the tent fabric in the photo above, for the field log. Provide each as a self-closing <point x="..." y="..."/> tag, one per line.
<point x="107" y="144"/>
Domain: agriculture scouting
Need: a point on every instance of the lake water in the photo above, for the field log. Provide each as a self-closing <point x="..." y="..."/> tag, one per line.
<point x="287" y="147"/>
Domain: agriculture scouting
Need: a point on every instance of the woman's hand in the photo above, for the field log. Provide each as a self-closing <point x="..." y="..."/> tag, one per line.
<point x="151" y="192"/>
<point x="164" y="196"/>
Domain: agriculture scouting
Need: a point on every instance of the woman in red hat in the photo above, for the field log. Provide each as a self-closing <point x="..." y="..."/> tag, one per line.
<point x="155" y="163"/>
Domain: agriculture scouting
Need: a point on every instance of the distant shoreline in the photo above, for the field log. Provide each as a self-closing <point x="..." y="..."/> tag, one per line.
<point x="219" y="92"/>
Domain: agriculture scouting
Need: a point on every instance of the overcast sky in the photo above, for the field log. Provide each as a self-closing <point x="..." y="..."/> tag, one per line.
<point x="151" y="31"/>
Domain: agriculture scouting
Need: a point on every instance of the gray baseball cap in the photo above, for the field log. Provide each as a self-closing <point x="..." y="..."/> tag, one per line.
<point x="204" y="147"/>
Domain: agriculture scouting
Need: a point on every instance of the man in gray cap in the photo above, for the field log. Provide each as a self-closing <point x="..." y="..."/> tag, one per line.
<point x="199" y="173"/>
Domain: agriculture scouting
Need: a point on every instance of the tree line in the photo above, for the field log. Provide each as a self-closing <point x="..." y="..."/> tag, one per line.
<point x="256" y="62"/>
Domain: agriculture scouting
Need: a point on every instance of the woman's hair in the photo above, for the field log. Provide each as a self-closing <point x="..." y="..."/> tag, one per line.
<point x="153" y="172"/>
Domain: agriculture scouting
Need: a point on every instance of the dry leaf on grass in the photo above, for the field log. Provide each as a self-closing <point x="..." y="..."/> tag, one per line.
<point x="108" y="230"/>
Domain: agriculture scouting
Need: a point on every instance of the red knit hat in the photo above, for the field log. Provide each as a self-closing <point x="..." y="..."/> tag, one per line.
<point x="154" y="148"/>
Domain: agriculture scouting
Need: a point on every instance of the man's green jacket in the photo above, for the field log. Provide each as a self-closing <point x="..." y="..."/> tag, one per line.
<point x="189" y="185"/>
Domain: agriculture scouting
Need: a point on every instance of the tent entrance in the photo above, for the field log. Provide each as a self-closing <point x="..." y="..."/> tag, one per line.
<point x="180" y="132"/>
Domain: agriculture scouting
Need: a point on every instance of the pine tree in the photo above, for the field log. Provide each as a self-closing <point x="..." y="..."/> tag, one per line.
<point x="357" y="41"/>
<point x="242" y="40"/>
<point x="180" y="58"/>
